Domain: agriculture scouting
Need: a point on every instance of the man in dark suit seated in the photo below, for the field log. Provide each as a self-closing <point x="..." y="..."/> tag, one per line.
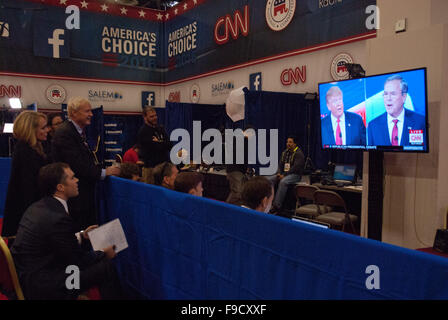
<point x="70" y="146"/>
<point x="46" y="245"/>
<point x="340" y="127"/>
<point x="392" y="127"/>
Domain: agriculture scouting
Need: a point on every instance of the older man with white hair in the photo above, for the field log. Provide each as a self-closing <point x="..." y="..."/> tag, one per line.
<point x="69" y="145"/>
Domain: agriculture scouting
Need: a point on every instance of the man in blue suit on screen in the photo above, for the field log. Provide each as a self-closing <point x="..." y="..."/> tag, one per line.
<point x="341" y="128"/>
<point x="392" y="128"/>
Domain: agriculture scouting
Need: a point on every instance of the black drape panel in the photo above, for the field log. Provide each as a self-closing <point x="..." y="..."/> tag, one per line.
<point x="129" y="125"/>
<point x="286" y="112"/>
<point x="182" y="115"/>
<point x="211" y="116"/>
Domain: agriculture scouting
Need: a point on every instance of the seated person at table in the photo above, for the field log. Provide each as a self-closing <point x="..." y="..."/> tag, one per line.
<point x="130" y="171"/>
<point x="165" y="174"/>
<point x="258" y="194"/>
<point x="290" y="169"/>
<point x="46" y="245"/>
<point x="132" y="155"/>
<point x="189" y="182"/>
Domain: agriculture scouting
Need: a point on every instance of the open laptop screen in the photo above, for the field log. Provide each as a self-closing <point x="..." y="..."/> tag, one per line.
<point x="344" y="172"/>
<point x="313" y="223"/>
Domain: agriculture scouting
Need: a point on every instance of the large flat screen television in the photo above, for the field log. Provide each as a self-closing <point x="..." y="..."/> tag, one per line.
<point x="387" y="112"/>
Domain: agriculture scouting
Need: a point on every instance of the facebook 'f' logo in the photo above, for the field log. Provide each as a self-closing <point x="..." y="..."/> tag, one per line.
<point x="51" y="41"/>
<point x="255" y="81"/>
<point x="148" y="98"/>
<point x="56" y="42"/>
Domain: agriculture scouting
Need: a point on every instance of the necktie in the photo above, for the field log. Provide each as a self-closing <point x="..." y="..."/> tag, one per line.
<point x="338" y="134"/>
<point x="395" y="133"/>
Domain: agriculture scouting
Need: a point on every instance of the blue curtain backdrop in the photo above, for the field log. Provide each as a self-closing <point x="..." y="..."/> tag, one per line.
<point x="187" y="247"/>
<point x="5" y="172"/>
<point x="182" y="115"/>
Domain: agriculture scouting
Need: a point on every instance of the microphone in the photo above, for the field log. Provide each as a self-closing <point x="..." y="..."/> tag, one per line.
<point x="396" y="138"/>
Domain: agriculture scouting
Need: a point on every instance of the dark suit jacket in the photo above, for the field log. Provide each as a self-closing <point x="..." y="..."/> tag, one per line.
<point x="68" y="146"/>
<point x="23" y="186"/>
<point x="378" y="132"/>
<point x="44" y="247"/>
<point x="355" y="131"/>
<point x="152" y="153"/>
<point x="297" y="165"/>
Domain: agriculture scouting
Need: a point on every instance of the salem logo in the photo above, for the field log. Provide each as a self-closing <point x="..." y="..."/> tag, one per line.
<point x="290" y="75"/>
<point x="239" y="23"/>
<point x="104" y="95"/>
<point x="10" y="91"/>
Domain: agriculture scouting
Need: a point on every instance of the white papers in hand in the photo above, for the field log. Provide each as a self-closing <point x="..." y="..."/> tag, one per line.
<point x="107" y="235"/>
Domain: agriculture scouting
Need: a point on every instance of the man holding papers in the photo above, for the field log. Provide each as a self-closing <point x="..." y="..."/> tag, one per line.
<point x="52" y="260"/>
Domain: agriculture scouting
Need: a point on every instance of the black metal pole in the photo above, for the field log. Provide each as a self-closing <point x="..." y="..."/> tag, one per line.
<point x="375" y="196"/>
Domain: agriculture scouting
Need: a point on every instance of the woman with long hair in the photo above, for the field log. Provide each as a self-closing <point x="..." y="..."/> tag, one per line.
<point x="30" y="130"/>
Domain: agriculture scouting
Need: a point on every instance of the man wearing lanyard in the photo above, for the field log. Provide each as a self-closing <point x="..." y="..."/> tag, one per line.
<point x="290" y="171"/>
<point x="69" y="145"/>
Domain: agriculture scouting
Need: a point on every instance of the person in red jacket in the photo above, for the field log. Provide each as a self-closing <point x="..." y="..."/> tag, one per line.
<point x="132" y="155"/>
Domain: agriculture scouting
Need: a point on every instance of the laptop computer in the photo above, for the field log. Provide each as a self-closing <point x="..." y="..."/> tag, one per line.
<point x="344" y="174"/>
<point x="311" y="222"/>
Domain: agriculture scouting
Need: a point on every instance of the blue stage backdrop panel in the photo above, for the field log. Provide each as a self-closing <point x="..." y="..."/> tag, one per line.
<point x="186" y="247"/>
<point x="5" y="172"/>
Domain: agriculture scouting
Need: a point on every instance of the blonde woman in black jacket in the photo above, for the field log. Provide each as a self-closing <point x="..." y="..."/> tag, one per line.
<point x="30" y="130"/>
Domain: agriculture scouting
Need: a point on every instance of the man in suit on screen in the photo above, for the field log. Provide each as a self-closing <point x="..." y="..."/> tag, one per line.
<point x="392" y="127"/>
<point x="340" y="127"/>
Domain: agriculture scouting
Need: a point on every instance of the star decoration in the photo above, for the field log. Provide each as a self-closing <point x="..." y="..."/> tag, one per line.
<point x="84" y="4"/>
<point x="142" y="13"/>
<point x="63" y="2"/>
<point x="124" y="10"/>
<point x="159" y="16"/>
<point x="104" y="7"/>
<point x="185" y="6"/>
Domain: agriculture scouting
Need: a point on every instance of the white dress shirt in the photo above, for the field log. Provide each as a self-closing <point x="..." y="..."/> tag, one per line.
<point x="64" y="203"/>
